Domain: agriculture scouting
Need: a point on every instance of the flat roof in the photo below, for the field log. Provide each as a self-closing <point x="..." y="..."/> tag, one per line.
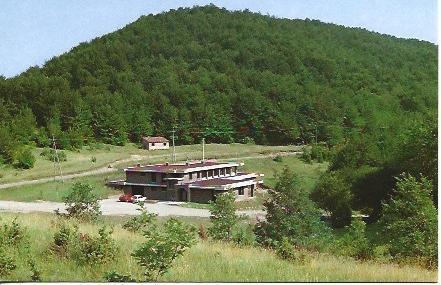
<point x="182" y="167"/>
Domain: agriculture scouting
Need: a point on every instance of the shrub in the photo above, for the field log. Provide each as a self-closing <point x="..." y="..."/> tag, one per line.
<point x="291" y="214"/>
<point x="333" y="194"/>
<point x="202" y="232"/>
<point x="287" y="251"/>
<point x="306" y="156"/>
<point x="51" y="154"/>
<point x="248" y="140"/>
<point x="278" y="158"/>
<point x="12" y="234"/>
<point x="7" y="263"/>
<point x="35" y="272"/>
<point x="244" y="236"/>
<point x="409" y="221"/>
<point x="25" y="159"/>
<point x="62" y="238"/>
<point x="162" y="247"/>
<point x="87" y="249"/>
<point x="355" y="243"/>
<point x="140" y="222"/>
<point x="82" y="203"/>
<point x="223" y="217"/>
<point x="113" y="276"/>
<point x="93" y="159"/>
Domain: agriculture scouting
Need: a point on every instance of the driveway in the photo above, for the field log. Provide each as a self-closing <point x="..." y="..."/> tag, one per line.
<point x="111" y="207"/>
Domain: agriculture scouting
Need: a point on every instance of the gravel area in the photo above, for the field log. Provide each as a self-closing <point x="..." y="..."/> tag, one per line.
<point x="112" y="207"/>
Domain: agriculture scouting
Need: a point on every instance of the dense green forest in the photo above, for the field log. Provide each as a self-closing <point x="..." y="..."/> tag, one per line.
<point x="370" y="99"/>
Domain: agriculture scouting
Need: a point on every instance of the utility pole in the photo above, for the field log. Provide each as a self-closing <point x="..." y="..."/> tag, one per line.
<point x="173" y="141"/>
<point x="203" y="149"/>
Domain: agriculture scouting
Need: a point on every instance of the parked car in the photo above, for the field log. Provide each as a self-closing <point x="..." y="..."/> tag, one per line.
<point x="138" y="198"/>
<point x="126" y="198"/>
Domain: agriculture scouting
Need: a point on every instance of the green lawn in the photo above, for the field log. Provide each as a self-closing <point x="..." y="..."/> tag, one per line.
<point x="308" y="173"/>
<point x="56" y="190"/>
<point x="78" y="161"/>
<point x="206" y="261"/>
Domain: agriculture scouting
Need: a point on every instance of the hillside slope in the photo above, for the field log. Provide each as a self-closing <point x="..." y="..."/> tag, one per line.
<point x="229" y="76"/>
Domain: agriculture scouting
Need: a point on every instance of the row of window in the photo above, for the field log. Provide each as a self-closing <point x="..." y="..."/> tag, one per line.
<point x="209" y="173"/>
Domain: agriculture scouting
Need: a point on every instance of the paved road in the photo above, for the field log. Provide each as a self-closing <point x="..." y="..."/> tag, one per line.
<point x="102" y="170"/>
<point x="111" y="207"/>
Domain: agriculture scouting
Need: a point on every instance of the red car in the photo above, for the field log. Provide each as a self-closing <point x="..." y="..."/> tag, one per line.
<point x="126" y="198"/>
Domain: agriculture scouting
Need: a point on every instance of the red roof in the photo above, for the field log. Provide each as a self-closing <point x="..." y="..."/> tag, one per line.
<point x="177" y="167"/>
<point x="155" y="139"/>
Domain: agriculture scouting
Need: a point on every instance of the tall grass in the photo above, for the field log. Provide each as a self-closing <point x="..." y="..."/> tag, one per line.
<point x="206" y="261"/>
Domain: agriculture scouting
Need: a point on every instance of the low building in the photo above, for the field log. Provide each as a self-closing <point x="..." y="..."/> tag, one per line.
<point x="153" y="143"/>
<point x="192" y="182"/>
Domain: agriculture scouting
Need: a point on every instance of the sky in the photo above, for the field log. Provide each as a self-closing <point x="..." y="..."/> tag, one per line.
<point x="34" y="31"/>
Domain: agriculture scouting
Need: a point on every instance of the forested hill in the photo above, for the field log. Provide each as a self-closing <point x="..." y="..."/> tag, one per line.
<point x="228" y="76"/>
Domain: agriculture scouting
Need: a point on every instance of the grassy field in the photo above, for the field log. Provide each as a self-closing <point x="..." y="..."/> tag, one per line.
<point x="120" y="156"/>
<point x="206" y="261"/>
<point x="308" y="173"/>
<point x="55" y="190"/>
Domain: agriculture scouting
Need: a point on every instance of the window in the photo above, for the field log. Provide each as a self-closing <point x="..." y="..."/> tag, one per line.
<point x="228" y="170"/>
<point x="152" y="144"/>
<point x="210" y="173"/>
<point x="241" y="192"/>
<point x="165" y="144"/>
<point x="216" y="172"/>
<point x="154" y="177"/>
<point x="198" y="174"/>
<point x="190" y="176"/>
<point x="204" y="174"/>
<point x="222" y="171"/>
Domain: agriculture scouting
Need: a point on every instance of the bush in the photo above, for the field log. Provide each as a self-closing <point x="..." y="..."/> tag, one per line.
<point x="140" y="222"/>
<point x="51" y="154"/>
<point x="355" y="243"/>
<point x="306" y="156"/>
<point x="333" y="194"/>
<point x="113" y="276"/>
<point x="248" y="140"/>
<point x="278" y="158"/>
<point x="93" y="159"/>
<point x="62" y="238"/>
<point x="82" y="203"/>
<point x="25" y="159"/>
<point x="13" y="234"/>
<point x="35" y="272"/>
<point x="87" y="249"/>
<point x="223" y="217"/>
<point x="287" y="251"/>
<point x="409" y="221"/>
<point x="161" y="248"/>
<point x="244" y="236"/>
<point x="291" y="214"/>
<point x="202" y="232"/>
<point x="7" y="263"/>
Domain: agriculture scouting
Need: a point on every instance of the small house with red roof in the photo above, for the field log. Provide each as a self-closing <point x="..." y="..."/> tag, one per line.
<point x="154" y="143"/>
<point x="198" y="181"/>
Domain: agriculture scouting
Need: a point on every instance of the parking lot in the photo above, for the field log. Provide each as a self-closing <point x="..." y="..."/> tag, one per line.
<point x="112" y="207"/>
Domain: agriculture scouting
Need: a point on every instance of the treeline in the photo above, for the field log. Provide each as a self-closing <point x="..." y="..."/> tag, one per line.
<point x="364" y="171"/>
<point x="228" y="76"/>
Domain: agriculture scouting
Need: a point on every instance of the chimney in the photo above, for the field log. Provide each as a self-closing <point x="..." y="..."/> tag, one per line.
<point x="166" y="163"/>
<point x="187" y="163"/>
<point x="138" y="165"/>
